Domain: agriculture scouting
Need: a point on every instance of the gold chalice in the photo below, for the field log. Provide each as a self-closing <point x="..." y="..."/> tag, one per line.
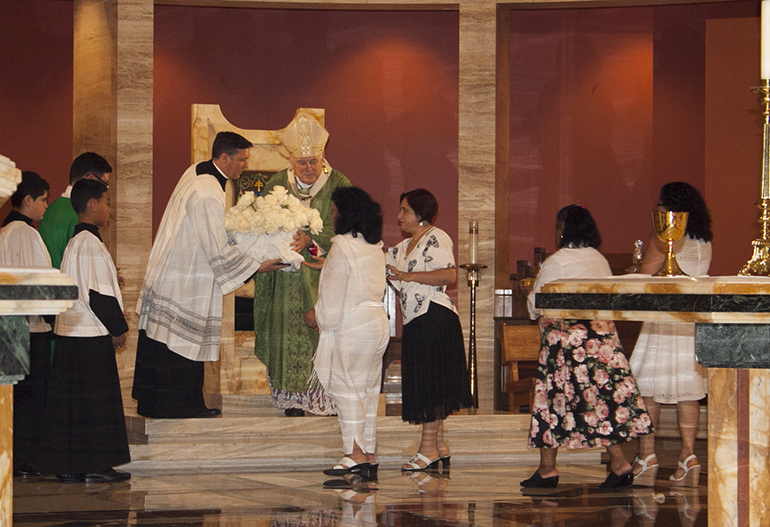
<point x="670" y="227"/>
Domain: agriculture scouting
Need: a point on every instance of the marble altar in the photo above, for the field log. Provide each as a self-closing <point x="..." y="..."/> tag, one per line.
<point x="732" y="316"/>
<point x="23" y="291"/>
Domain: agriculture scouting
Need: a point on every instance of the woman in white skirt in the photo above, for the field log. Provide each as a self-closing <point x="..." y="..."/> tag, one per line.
<point x="663" y="360"/>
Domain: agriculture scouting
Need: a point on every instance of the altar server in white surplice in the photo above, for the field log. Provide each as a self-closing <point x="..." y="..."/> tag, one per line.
<point x="193" y="263"/>
<point x="354" y="329"/>
<point x="22" y="246"/>
<point x="83" y="427"/>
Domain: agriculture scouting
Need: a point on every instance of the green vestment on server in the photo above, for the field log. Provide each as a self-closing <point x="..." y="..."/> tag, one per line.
<point x="57" y="227"/>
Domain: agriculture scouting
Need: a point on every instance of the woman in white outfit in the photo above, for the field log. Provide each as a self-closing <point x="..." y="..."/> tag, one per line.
<point x="354" y="330"/>
<point x="663" y="360"/>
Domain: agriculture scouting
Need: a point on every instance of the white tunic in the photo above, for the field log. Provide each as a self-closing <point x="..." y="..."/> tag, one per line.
<point x="22" y="246"/>
<point x="193" y="263"/>
<point x="433" y="252"/>
<point x="663" y="360"/>
<point x="354" y="333"/>
<point x="88" y="262"/>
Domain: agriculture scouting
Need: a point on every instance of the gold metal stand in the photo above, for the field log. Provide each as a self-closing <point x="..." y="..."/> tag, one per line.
<point x="759" y="265"/>
<point x="473" y="281"/>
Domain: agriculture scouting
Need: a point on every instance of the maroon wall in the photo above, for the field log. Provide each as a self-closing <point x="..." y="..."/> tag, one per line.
<point x="388" y="82"/>
<point x="733" y="137"/>
<point x="607" y="105"/>
<point x="581" y="123"/>
<point x="36" y="89"/>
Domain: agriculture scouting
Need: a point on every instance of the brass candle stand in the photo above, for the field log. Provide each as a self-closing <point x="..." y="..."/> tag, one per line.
<point x="759" y="265"/>
<point x="473" y="281"/>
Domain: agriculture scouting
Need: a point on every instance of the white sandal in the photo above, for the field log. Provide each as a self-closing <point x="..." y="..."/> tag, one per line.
<point x="646" y="478"/>
<point x="414" y="466"/>
<point x="691" y="474"/>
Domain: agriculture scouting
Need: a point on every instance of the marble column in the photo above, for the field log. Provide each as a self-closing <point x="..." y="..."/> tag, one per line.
<point x="113" y="94"/>
<point x="759" y="447"/>
<point x="476" y="186"/>
<point x="6" y="454"/>
<point x="133" y="214"/>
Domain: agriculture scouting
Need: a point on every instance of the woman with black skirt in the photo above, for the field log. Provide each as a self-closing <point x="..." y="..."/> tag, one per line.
<point x="434" y="375"/>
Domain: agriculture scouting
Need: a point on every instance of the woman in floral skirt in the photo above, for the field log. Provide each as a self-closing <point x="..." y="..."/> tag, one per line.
<point x="585" y="395"/>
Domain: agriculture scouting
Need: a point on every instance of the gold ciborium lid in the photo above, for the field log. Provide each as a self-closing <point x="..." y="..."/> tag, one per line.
<point x="670" y="227"/>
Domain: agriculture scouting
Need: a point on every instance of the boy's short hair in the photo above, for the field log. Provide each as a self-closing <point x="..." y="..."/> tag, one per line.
<point x="88" y="163"/>
<point x="84" y="191"/>
<point x="31" y="185"/>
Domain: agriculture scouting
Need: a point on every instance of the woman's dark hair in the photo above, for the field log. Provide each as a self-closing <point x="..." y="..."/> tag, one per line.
<point x="579" y="228"/>
<point x="422" y="202"/>
<point x="357" y="213"/>
<point x="683" y="197"/>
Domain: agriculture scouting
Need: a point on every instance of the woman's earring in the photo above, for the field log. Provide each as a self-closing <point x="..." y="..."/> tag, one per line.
<point x="420" y="224"/>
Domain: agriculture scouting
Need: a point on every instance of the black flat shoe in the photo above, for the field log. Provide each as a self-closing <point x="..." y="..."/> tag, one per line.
<point x="25" y="472"/>
<point x="294" y="412"/>
<point x="539" y="482"/>
<point x="71" y="478"/>
<point x="108" y="476"/>
<point x="615" y="481"/>
<point x="204" y="413"/>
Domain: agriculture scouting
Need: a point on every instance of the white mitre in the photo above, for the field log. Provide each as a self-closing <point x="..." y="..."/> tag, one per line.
<point x="305" y="136"/>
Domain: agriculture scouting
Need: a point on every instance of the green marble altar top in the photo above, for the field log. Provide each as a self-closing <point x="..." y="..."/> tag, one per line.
<point x="35" y="291"/>
<point x="27" y="291"/>
<point x="710" y="299"/>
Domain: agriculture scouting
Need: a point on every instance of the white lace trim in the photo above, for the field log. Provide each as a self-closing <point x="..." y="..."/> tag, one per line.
<point x="312" y="401"/>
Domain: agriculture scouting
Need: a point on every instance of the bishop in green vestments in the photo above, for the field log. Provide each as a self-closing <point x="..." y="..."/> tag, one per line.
<point x="284" y="343"/>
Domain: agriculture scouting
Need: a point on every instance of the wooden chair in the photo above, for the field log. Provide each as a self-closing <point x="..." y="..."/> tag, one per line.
<point x="519" y="344"/>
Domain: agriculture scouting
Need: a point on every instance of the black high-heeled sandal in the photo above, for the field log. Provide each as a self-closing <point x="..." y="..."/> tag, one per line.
<point x="539" y="482"/>
<point x="348" y="466"/>
<point x="444" y="462"/>
<point x="617" y="481"/>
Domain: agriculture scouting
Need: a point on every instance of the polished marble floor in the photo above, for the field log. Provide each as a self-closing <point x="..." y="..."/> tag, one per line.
<point x="489" y="497"/>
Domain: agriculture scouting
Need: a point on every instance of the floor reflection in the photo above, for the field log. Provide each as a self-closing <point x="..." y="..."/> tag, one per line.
<point x="467" y="496"/>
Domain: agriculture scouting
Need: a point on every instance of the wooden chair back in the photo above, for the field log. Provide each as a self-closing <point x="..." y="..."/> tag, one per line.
<point x="519" y="344"/>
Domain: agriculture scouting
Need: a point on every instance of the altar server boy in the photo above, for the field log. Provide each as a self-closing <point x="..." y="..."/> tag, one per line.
<point x="83" y="425"/>
<point x="22" y="246"/>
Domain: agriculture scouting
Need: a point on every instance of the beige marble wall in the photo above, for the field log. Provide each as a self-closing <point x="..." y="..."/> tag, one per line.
<point x="6" y="455"/>
<point x="94" y="82"/>
<point x="759" y="445"/>
<point x="476" y="186"/>
<point x="112" y="76"/>
<point x="723" y="448"/>
<point x="133" y="218"/>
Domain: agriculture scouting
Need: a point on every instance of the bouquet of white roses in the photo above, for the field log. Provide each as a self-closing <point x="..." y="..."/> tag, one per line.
<point x="264" y="226"/>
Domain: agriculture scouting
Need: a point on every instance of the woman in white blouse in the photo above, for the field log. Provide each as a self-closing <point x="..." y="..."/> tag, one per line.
<point x="664" y="357"/>
<point x="354" y="330"/>
<point x="434" y="376"/>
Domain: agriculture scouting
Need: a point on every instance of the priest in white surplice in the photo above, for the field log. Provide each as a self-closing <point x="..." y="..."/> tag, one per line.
<point x="193" y="263"/>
